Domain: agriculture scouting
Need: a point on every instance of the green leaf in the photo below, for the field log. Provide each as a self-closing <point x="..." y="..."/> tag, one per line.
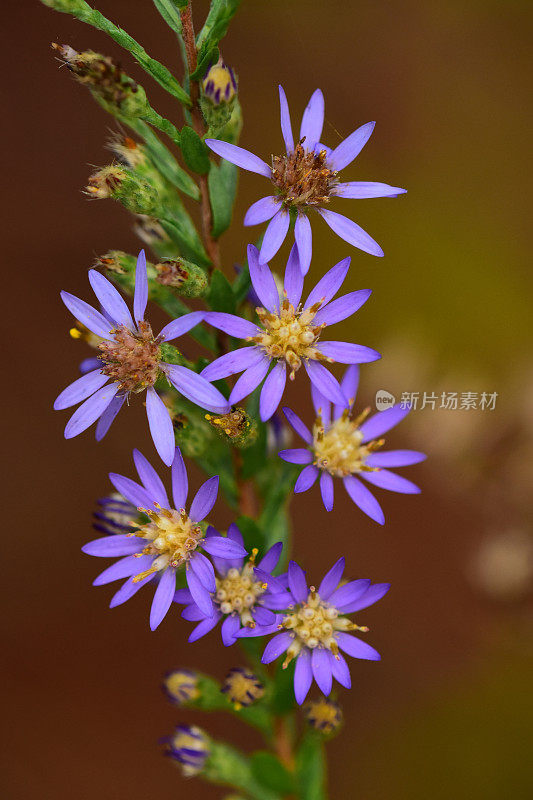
<point x="194" y="150"/>
<point x="220" y="296"/>
<point x="164" y="160"/>
<point x="182" y="231"/>
<point x="218" y="19"/>
<point x="252" y="534"/>
<point x="207" y="56"/>
<point x="227" y="766"/>
<point x="283" y="700"/>
<point x="268" y="770"/>
<point x="222" y="182"/>
<point x="169" y="12"/>
<point x="311" y="768"/>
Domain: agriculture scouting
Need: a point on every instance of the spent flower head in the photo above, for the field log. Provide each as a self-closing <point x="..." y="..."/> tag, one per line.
<point x="304" y="178"/>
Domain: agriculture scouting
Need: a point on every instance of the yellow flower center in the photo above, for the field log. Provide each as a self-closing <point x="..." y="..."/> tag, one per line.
<point x="290" y="335"/>
<point x="339" y="449"/>
<point x="131" y="359"/>
<point x="314" y="624"/>
<point x="239" y="590"/>
<point x="172" y="538"/>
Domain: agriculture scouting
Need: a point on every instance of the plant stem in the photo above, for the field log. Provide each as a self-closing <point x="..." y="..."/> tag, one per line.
<point x="282" y="743"/>
<point x="248" y="503"/>
<point x="210" y="242"/>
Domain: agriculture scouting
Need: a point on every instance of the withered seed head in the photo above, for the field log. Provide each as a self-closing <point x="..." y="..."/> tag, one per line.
<point x="303" y="178"/>
<point x="171" y="273"/>
<point x="131" y="359"/>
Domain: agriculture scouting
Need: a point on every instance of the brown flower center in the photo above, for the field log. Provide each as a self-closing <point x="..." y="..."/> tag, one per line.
<point x="131" y="358"/>
<point x="290" y="335"/>
<point x="303" y="177"/>
<point x="339" y="449"/>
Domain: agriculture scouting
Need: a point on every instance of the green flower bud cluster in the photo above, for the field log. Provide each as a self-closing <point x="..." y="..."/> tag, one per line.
<point x="125" y="186"/>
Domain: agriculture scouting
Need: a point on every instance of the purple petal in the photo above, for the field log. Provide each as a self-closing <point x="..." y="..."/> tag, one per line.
<point x="113" y="546"/>
<point x="204" y="499"/>
<point x="272" y="391"/>
<point x="383" y="421"/>
<point x="342" y="307"/>
<point x="249" y="380"/>
<point x="274" y="235"/>
<point x="87" y="315"/>
<point x="230" y="363"/>
<point x="294" y="279"/>
<point x="347" y="352"/>
<point x="340" y="670"/>
<point x="357" y="190"/>
<point x="326" y="490"/>
<point x="303" y="676"/>
<point x="196" y="389"/>
<point x="277" y="601"/>
<point x="160" y="425"/>
<point x="351" y="232"/>
<point x="80" y="389"/>
<point x="88" y="364"/>
<point x="223" y="547"/>
<point x="124" y="568"/>
<point x="203" y="569"/>
<point x="388" y="480"/>
<point x="262" y="616"/>
<point x="180" y="481"/>
<point x="235" y="535"/>
<point x="229" y="628"/>
<point x="107" y="418"/>
<point x="321" y="405"/>
<point x="275" y="584"/>
<point x="364" y="499"/>
<point x="297" y="582"/>
<point x="140" y="297"/>
<point x="163" y="597"/>
<point x="356" y="648"/>
<point x="204" y="627"/>
<point x="350" y="148"/>
<point x="131" y="491"/>
<point x="324" y="381"/>
<point x="229" y="323"/>
<point x="182" y="596"/>
<point x="349" y="385"/>
<point x="192" y="613"/>
<point x="262" y="280"/>
<point x="331" y="579"/>
<point x="150" y="479"/>
<point x="261" y="210"/>
<point x="276" y="647"/>
<point x="306" y="479"/>
<point x="90" y="410"/>
<point x="297" y="425"/>
<point x="328" y="286"/>
<point x="371" y="596"/>
<point x="313" y="121"/>
<point x="286" y="127"/>
<point x="110" y="299"/>
<point x="395" y="458"/>
<point x="181" y="325"/>
<point x="349" y="592"/>
<point x="271" y="558"/>
<point x="304" y="241"/>
<point x="296" y="456"/>
<point x="321" y="667"/>
<point x="128" y="589"/>
<point x="239" y="156"/>
<point x="200" y="595"/>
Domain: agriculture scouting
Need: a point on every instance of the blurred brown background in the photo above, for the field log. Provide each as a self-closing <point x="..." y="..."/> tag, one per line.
<point x="448" y="711"/>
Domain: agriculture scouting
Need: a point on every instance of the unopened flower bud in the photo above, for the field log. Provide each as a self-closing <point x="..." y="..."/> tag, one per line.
<point x="242" y="687"/>
<point x="189" y="746"/>
<point x="235" y="426"/>
<point x="124" y="186"/>
<point x="219" y="84"/>
<point x="186" y="278"/>
<point x="323" y="715"/>
<point x="114" y="514"/>
<point x="181" y="686"/>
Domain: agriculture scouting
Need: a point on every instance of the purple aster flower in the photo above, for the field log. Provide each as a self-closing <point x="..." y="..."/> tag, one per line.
<point x="341" y="446"/>
<point x="243" y="594"/>
<point x="315" y="627"/>
<point x="287" y="334"/>
<point x="168" y="540"/>
<point x="114" y="514"/>
<point x="306" y="176"/>
<point x="130" y="357"/>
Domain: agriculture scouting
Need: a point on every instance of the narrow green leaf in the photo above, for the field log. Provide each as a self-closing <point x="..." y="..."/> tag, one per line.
<point x="311" y="768"/>
<point x="207" y="56"/>
<point x="268" y="770"/>
<point x="218" y="19"/>
<point x="169" y="12"/>
<point x="194" y="150"/>
<point x="222" y="182"/>
<point x="220" y="296"/>
<point x="184" y="234"/>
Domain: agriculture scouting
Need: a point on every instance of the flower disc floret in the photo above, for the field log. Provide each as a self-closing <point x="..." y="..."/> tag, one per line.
<point x="239" y="590"/>
<point x="172" y="538"/>
<point x="339" y="449"/>
<point x="302" y="177"/>
<point x="131" y="358"/>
